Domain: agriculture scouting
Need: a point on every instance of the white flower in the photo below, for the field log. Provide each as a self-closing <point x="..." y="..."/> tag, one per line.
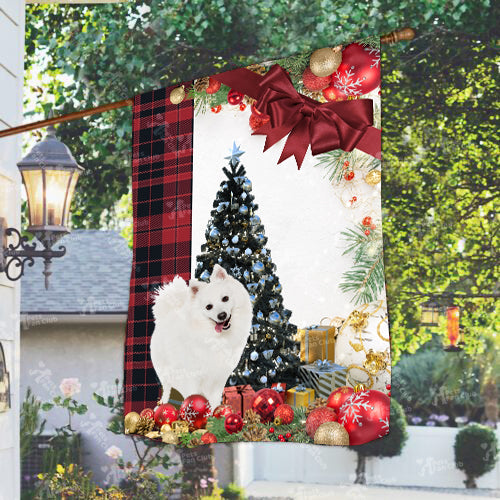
<point x="70" y="386"/>
<point x="114" y="452"/>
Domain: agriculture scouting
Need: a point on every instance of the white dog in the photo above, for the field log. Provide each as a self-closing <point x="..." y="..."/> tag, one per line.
<point x="200" y="332"/>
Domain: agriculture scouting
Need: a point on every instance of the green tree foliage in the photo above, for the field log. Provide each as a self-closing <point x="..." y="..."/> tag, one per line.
<point x="476" y="452"/>
<point x="440" y="183"/>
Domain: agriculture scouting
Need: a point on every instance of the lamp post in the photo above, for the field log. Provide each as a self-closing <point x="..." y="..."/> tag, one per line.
<point x="50" y="173"/>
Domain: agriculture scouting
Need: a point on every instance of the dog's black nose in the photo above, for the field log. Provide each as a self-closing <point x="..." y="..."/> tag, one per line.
<point x="221" y="316"/>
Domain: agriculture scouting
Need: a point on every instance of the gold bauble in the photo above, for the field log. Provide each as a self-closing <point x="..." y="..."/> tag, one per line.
<point x="177" y="95"/>
<point x="332" y="434"/>
<point x="373" y="177"/>
<point x="165" y="428"/>
<point x="325" y="61"/>
<point x="170" y="437"/>
<point x="131" y="420"/>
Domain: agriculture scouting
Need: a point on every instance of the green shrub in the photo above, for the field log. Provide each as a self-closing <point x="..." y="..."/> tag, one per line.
<point x="233" y="492"/>
<point x="476" y="452"/>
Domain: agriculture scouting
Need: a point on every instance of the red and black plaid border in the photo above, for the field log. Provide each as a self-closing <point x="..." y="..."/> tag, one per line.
<point x="162" y="171"/>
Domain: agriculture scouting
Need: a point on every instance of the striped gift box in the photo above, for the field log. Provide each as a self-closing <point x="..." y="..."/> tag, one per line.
<point x="323" y="376"/>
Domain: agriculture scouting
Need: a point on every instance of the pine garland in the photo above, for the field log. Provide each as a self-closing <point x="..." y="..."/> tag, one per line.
<point x="204" y="102"/>
<point x="366" y="278"/>
<point x="295" y="65"/>
<point x="371" y="41"/>
<point x="333" y="162"/>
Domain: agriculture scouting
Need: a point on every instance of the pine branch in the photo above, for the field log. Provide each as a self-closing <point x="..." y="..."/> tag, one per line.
<point x="366" y="278"/>
<point x="334" y="162"/>
<point x="204" y="102"/>
<point x="371" y="41"/>
<point x="295" y="65"/>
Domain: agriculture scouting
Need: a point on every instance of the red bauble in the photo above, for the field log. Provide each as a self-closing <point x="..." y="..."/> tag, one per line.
<point x="148" y="413"/>
<point x="195" y="410"/>
<point x="265" y="402"/>
<point x="365" y="416"/>
<point x="367" y="221"/>
<point x="332" y="93"/>
<point x="313" y="82"/>
<point x="208" y="438"/>
<point x="165" y="414"/>
<point x="338" y="397"/>
<point x="233" y="423"/>
<point x="317" y="417"/>
<point x="257" y="121"/>
<point x="234" y="97"/>
<point x="359" y="72"/>
<point x="285" y="412"/>
<point x="213" y="86"/>
<point x="222" y="411"/>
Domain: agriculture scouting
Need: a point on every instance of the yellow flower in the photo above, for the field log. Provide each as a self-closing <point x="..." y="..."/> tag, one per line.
<point x="40" y="476"/>
<point x="70" y="468"/>
<point x="60" y="469"/>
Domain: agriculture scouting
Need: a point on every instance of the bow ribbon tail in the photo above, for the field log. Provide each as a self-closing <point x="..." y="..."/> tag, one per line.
<point x="297" y="142"/>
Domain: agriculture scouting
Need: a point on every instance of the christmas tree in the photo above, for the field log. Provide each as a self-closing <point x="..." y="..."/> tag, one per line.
<point x="236" y="240"/>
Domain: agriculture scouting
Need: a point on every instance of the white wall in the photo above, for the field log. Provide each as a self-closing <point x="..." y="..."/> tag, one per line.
<point x="91" y="352"/>
<point x="11" y="88"/>
<point x="427" y="460"/>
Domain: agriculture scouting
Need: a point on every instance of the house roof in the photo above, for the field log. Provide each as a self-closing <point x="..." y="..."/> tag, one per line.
<point x="92" y="278"/>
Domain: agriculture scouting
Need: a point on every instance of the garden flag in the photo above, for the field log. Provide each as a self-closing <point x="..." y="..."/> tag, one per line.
<point x="257" y="298"/>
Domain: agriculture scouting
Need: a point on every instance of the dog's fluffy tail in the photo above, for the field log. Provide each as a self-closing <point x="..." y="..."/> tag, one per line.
<point x="170" y="296"/>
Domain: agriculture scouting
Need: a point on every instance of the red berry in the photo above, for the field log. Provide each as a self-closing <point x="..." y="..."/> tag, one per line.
<point x="367" y="221"/>
<point x="354" y="198"/>
<point x="313" y="82"/>
<point x="367" y="232"/>
<point x="388" y="387"/>
<point x="346" y="163"/>
<point x="243" y="106"/>
<point x="389" y="393"/>
<point x="271" y="429"/>
<point x="288" y="435"/>
<point x="349" y="176"/>
<point x="216" y="109"/>
<point x="373" y="226"/>
<point x="281" y="436"/>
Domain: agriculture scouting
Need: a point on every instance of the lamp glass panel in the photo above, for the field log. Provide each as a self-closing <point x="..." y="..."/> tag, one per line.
<point x="34" y="191"/>
<point x="71" y="192"/>
<point x="55" y="195"/>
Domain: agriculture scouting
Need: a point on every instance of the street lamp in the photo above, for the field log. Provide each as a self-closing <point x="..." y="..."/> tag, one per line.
<point x="429" y="314"/>
<point x="50" y="173"/>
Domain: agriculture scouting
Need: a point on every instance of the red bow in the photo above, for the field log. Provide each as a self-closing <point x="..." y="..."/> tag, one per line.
<point x="324" y="126"/>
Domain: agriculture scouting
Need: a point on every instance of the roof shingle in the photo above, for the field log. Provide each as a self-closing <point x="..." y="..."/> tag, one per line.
<point x="92" y="278"/>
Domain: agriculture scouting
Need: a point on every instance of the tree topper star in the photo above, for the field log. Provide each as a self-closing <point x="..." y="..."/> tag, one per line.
<point x="234" y="154"/>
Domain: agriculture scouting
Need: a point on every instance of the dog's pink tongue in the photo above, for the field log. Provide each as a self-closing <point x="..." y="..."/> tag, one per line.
<point x="219" y="327"/>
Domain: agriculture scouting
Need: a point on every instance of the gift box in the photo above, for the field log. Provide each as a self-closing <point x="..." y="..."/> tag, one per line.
<point x="323" y="376"/>
<point x="317" y="342"/>
<point x="299" y="396"/>
<point x="238" y="397"/>
<point x="279" y="387"/>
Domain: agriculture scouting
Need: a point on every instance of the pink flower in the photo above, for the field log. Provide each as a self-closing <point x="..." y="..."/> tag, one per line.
<point x="70" y="386"/>
<point x="203" y="483"/>
<point x="114" y="452"/>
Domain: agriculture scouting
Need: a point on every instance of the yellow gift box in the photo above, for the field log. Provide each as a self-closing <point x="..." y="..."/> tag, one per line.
<point x="299" y="396"/>
<point x="317" y="342"/>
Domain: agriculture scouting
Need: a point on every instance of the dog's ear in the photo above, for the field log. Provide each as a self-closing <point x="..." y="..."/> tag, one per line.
<point x="219" y="273"/>
<point x="195" y="286"/>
